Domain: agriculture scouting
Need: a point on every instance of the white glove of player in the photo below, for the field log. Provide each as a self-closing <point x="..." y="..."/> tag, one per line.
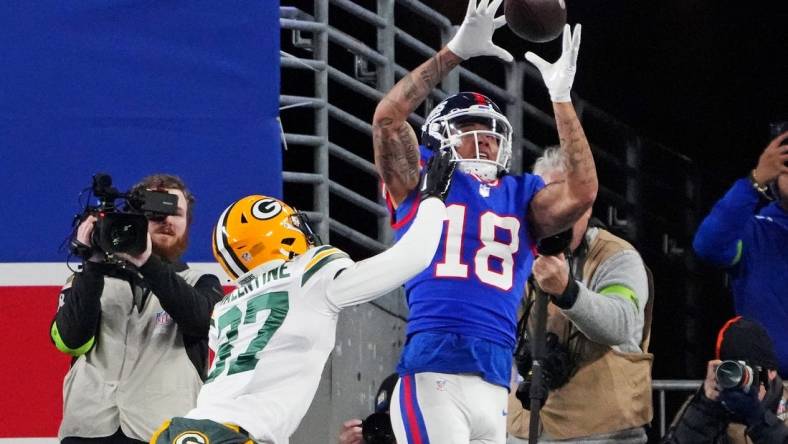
<point x="558" y="76"/>
<point x="474" y="38"/>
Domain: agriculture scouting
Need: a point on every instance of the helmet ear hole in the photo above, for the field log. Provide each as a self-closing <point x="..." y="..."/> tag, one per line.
<point x="288" y="241"/>
<point x="243" y="219"/>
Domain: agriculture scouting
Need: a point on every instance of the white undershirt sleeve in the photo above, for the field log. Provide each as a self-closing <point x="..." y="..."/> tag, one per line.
<point x="378" y="275"/>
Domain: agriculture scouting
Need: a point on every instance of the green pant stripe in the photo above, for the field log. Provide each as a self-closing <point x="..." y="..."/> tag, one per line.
<point x="622" y="292"/>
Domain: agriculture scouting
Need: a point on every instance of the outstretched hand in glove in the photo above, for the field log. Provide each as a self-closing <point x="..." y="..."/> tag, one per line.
<point x="559" y="76"/>
<point x="474" y="38"/>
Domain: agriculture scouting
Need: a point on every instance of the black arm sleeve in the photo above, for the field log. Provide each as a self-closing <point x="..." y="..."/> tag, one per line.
<point x="78" y="318"/>
<point x="769" y="431"/>
<point x="189" y="306"/>
<point x="701" y="421"/>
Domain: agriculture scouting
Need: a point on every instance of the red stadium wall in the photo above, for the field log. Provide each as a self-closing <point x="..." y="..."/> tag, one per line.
<point x="33" y="369"/>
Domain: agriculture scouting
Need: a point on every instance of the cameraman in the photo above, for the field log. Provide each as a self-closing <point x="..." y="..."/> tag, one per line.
<point x="737" y="415"/>
<point x="597" y="371"/>
<point x="137" y="331"/>
<point x="376" y="429"/>
<point x="749" y="239"/>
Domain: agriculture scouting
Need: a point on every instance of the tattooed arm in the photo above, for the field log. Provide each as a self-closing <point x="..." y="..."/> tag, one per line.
<point x="557" y="206"/>
<point x="394" y="141"/>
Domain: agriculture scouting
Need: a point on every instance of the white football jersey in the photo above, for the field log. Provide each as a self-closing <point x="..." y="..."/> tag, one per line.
<point x="272" y="337"/>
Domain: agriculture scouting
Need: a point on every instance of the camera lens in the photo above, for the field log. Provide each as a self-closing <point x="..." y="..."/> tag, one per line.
<point x="730" y="374"/>
<point x="121" y="232"/>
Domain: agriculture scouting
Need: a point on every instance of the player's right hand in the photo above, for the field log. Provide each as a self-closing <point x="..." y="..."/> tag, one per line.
<point x="437" y="178"/>
<point x="474" y="38"/>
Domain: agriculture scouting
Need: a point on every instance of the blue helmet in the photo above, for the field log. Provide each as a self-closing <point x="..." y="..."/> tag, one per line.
<point x="443" y="130"/>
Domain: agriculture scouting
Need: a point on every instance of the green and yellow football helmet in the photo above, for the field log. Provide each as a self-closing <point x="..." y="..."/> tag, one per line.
<point x="257" y="229"/>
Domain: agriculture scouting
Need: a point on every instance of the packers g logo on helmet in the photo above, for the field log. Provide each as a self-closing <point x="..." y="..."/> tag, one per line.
<point x="257" y="229"/>
<point x="191" y="437"/>
<point x="266" y="209"/>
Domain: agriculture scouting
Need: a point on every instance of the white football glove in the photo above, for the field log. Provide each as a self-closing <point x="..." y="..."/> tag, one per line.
<point x="559" y="76"/>
<point x="474" y="38"/>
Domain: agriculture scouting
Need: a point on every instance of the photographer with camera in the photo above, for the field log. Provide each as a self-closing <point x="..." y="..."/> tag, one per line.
<point x="747" y="232"/>
<point x="743" y="399"/>
<point x="376" y="428"/>
<point x="135" y="318"/>
<point x="597" y="372"/>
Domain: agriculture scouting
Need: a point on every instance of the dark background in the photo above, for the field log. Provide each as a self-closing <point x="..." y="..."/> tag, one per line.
<point x="704" y="78"/>
<point x="700" y="77"/>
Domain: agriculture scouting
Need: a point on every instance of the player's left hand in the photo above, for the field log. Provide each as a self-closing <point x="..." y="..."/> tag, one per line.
<point x="551" y="273"/>
<point x="351" y="432"/>
<point x="437" y="178"/>
<point x="474" y="38"/>
<point x="559" y="76"/>
<point x="140" y="259"/>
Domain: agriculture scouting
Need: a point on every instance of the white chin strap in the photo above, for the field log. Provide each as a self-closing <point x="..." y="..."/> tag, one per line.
<point x="484" y="170"/>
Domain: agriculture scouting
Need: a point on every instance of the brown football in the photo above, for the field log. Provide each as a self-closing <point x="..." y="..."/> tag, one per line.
<point x="535" y="20"/>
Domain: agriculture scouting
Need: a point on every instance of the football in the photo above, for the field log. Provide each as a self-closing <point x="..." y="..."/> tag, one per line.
<point x="535" y="20"/>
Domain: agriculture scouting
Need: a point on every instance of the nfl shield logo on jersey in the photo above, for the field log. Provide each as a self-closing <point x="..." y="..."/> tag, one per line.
<point x="163" y="323"/>
<point x="484" y="190"/>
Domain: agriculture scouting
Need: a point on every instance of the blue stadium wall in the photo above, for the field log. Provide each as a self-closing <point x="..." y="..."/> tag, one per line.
<point x="128" y="88"/>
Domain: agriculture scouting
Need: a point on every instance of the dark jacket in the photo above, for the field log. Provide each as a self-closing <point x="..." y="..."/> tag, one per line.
<point x="703" y="421"/>
<point x="750" y="242"/>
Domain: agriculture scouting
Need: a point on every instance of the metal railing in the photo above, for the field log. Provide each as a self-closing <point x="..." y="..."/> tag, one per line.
<point x="663" y="386"/>
<point x="361" y="56"/>
<point x="336" y="68"/>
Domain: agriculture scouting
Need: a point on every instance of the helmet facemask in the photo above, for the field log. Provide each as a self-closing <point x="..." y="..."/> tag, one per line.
<point x="449" y="130"/>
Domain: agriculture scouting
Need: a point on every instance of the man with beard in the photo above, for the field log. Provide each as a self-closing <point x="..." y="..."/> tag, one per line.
<point x="137" y="328"/>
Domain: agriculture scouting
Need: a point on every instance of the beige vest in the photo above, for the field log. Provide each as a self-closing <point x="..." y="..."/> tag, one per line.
<point x="136" y="376"/>
<point x="610" y="390"/>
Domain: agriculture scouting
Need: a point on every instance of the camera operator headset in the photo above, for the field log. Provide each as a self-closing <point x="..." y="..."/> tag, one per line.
<point x="135" y="318"/>
<point x="622" y="404"/>
<point x="742" y="399"/>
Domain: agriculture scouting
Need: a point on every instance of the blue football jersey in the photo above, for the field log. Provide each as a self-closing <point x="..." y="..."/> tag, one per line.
<point x="465" y="302"/>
